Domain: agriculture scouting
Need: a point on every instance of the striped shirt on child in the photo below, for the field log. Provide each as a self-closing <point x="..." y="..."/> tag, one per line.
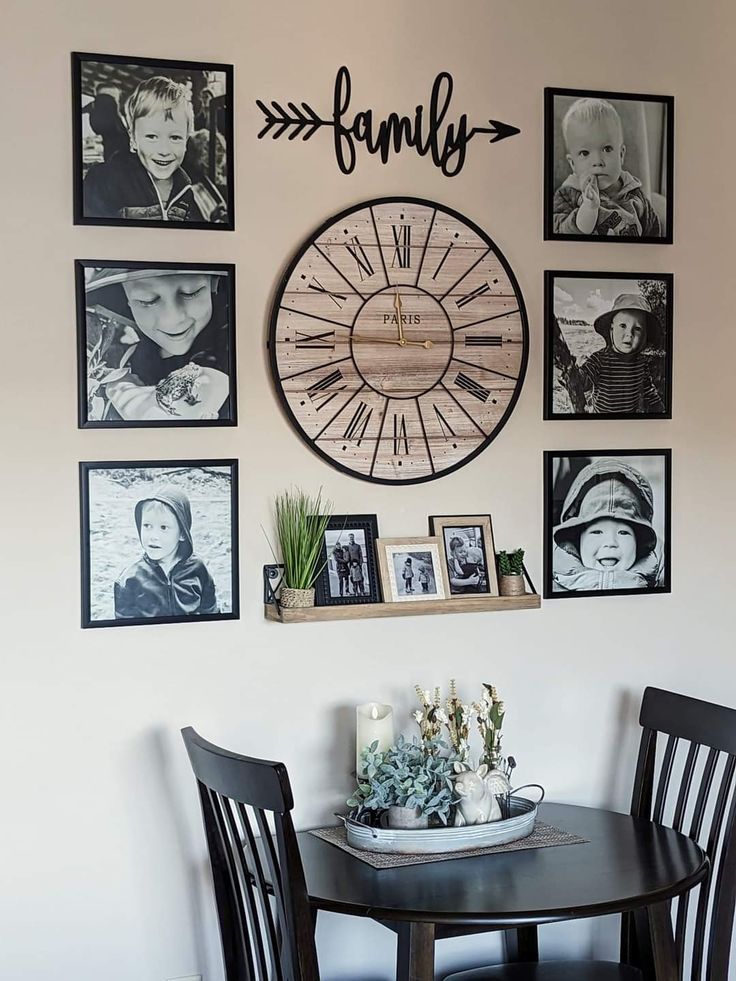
<point x="620" y="383"/>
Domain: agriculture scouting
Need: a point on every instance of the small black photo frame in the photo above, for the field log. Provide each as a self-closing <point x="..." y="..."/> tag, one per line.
<point x="152" y="142"/>
<point x="349" y="576"/>
<point x="159" y="542"/>
<point x="607" y="522"/>
<point x="609" y="166"/>
<point x="608" y="345"/>
<point x="155" y="344"/>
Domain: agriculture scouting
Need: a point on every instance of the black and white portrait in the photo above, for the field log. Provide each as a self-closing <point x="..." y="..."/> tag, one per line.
<point x="153" y="142"/>
<point x="156" y="344"/>
<point x="411" y="569"/>
<point x="470" y="559"/>
<point x="608" y="344"/>
<point x="349" y="568"/>
<point x="159" y="542"/>
<point x="607" y="522"/>
<point x="608" y="166"/>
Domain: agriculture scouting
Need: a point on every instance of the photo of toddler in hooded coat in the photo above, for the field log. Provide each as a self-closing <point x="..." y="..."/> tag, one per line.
<point x="156" y="345"/>
<point x="605" y="539"/>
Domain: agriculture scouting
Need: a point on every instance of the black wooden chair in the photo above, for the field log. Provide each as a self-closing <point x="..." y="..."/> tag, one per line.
<point x="700" y="801"/>
<point x="267" y="933"/>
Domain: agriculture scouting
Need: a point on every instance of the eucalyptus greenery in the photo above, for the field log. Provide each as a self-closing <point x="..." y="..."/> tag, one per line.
<point x="409" y="774"/>
<point x="511" y="563"/>
<point x="301" y="520"/>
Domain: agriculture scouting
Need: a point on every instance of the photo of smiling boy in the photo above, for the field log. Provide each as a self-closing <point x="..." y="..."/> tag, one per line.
<point x="156" y="344"/>
<point x="609" y="166"/>
<point x="172" y="161"/>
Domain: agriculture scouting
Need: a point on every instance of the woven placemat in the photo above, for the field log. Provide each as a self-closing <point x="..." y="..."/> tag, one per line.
<point x="543" y="836"/>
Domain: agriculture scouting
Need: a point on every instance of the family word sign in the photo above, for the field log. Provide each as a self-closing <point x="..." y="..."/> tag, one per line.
<point x="430" y="132"/>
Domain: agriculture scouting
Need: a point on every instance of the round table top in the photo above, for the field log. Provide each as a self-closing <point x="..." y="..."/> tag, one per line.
<point x="625" y="863"/>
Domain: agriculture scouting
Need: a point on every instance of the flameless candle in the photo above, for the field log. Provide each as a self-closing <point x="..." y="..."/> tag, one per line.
<point x="373" y="722"/>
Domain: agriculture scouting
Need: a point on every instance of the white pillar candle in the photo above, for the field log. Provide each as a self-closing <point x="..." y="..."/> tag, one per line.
<point x="373" y="721"/>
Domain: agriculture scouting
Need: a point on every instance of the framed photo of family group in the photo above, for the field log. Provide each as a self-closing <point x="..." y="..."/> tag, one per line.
<point x="153" y="142"/>
<point x="349" y="576"/>
<point x="609" y="166"/>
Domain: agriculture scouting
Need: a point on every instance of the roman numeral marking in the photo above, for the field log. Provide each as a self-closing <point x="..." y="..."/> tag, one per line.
<point x="337" y="298"/>
<point x="323" y="341"/>
<point x="442" y="260"/>
<point x="402" y="246"/>
<point x="483" y="340"/>
<point x="472" y="387"/>
<point x="445" y="426"/>
<point x="358" y="253"/>
<point x="322" y="392"/>
<point x="400" y="436"/>
<point x="355" y="429"/>
<point x="480" y="291"/>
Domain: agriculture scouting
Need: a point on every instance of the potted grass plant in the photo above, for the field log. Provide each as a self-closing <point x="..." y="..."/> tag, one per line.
<point x="301" y="520"/>
<point x="511" y="572"/>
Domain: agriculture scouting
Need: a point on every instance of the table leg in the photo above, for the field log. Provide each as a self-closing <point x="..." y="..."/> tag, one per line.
<point x="522" y="945"/>
<point x="663" y="943"/>
<point x="415" y="952"/>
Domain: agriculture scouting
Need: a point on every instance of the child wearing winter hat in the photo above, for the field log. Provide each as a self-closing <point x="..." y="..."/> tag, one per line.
<point x="168" y="580"/>
<point x="605" y="539"/>
<point x="619" y="375"/>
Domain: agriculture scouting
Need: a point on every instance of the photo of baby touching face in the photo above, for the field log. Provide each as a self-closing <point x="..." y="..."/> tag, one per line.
<point x="156" y="345"/>
<point x="607" y="523"/>
<point x="609" y="166"/>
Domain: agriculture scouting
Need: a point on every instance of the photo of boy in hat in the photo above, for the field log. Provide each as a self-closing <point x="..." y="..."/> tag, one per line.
<point x="608" y="345"/>
<point x="607" y="523"/>
<point x="156" y="344"/>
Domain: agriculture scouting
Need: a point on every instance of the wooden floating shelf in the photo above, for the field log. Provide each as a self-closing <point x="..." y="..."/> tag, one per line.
<point x="365" y="611"/>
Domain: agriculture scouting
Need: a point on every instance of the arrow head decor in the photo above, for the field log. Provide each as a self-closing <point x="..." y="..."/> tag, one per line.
<point x="426" y="132"/>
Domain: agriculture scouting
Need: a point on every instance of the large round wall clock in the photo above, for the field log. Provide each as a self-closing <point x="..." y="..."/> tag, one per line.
<point x="398" y="340"/>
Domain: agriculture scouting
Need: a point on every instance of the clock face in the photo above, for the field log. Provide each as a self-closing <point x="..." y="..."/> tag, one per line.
<point x="399" y="340"/>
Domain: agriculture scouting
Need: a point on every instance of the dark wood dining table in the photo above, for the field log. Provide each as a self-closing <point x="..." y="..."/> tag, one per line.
<point x="625" y="864"/>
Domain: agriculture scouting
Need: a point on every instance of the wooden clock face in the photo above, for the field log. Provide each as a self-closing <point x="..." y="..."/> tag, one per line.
<point x="398" y="340"/>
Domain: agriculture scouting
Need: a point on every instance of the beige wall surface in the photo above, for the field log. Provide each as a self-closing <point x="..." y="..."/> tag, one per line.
<point x="103" y="867"/>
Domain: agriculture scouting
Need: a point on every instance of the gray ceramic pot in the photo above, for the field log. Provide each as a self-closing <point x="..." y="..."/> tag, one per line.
<point x="408" y="818"/>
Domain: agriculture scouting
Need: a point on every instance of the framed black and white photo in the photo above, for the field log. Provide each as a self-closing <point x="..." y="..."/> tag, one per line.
<point x="609" y="166"/>
<point x="349" y="575"/>
<point x="155" y="344"/>
<point x="159" y="542"/>
<point x="608" y="345"/>
<point x="607" y="522"/>
<point x="469" y="553"/>
<point x="153" y="142"/>
<point x="411" y="569"/>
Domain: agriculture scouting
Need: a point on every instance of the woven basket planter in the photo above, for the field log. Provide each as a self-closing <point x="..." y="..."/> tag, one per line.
<point x="296" y="598"/>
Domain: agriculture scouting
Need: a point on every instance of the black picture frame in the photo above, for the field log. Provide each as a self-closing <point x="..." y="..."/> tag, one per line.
<point x="101" y="322"/>
<point x="556" y="349"/>
<point x="439" y="523"/>
<point x="223" y="550"/>
<point x="652" y="562"/>
<point x="343" y="524"/>
<point x="220" y="111"/>
<point x="664" y="173"/>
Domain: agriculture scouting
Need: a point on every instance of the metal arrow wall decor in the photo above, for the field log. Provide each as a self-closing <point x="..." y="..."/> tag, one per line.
<point x="428" y="133"/>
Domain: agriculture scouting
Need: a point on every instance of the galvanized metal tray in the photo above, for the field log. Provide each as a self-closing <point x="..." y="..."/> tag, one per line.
<point x="519" y="824"/>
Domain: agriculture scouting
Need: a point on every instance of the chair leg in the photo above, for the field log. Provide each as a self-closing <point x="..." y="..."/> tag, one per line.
<point x="415" y="952"/>
<point x="522" y="945"/>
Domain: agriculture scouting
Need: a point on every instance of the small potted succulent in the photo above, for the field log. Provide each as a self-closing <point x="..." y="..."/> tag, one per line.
<point x="301" y="520"/>
<point x="411" y="782"/>
<point x="511" y="572"/>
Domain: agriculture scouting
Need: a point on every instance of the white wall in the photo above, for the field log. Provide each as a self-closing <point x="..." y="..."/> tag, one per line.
<point x="103" y="872"/>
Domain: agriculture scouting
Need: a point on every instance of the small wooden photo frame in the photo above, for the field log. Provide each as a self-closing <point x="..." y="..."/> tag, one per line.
<point x="349" y="576"/>
<point x="412" y="569"/>
<point x="469" y="553"/>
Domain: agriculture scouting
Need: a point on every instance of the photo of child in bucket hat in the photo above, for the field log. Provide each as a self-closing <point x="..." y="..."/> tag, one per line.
<point x="156" y="344"/>
<point x="608" y="345"/>
<point x="607" y="527"/>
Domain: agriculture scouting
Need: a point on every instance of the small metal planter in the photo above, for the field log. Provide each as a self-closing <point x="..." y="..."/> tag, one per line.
<point x="519" y="824"/>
